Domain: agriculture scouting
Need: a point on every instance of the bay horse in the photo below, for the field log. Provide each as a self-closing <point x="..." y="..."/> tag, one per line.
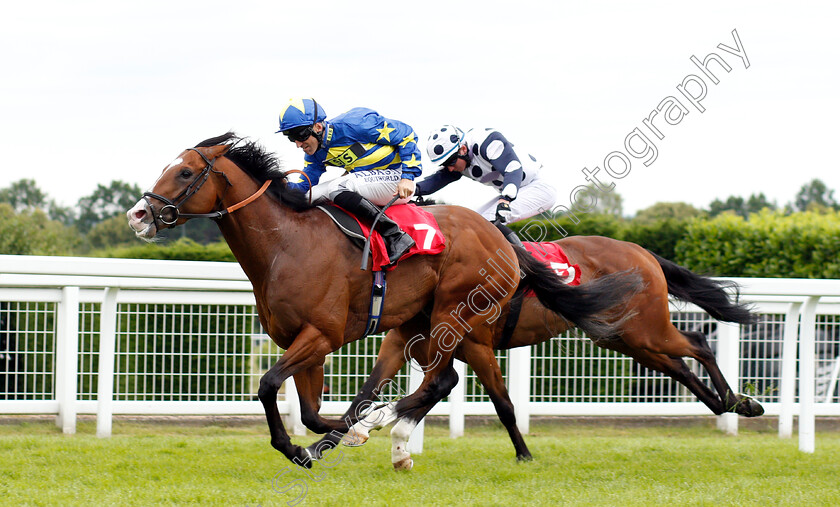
<point x="312" y="298"/>
<point x="647" y="335"/>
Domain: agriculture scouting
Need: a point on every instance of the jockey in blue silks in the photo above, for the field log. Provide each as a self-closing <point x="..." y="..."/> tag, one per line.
<point x="380" y="157"/>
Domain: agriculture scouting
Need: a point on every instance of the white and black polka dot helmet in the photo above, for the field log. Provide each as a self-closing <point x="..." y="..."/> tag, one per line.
<point x="443" y="142"/>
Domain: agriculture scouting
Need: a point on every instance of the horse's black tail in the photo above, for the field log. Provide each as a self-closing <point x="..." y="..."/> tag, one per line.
<point x="708" y="294"/>
<point x="597" y="307"/>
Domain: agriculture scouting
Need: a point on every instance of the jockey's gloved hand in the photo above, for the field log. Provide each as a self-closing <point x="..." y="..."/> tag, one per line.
<point x="503" y="212"/>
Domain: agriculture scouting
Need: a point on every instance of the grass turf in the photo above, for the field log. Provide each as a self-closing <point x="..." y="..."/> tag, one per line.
<point x="154" y="464"/>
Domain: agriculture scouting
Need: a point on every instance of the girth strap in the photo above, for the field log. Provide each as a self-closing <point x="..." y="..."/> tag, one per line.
<point x="377" y="302"/>
<point x="514" y="309"/>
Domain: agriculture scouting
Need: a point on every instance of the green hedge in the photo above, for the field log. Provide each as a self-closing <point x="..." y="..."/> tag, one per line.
<point x="183" y="249"/>
<point x="769" y="244"/>
<point x="660" y="236"/>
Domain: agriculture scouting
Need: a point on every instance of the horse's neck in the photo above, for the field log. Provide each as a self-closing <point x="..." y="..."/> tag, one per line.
<point x="259" y="235"/>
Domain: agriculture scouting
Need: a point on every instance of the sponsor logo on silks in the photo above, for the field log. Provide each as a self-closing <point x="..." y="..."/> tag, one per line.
<point x="347" y="157"/>
<point x="383" y="175"/>
<point x="329" y="135"/>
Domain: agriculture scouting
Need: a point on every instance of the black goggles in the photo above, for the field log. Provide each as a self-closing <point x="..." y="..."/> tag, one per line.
<point x="454" y="158"/>
<point x="298" y="134"/>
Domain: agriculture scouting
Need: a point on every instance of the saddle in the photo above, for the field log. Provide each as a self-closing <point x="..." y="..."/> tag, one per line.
<point x="345" y="222"/>
<point x="417" y="222"/>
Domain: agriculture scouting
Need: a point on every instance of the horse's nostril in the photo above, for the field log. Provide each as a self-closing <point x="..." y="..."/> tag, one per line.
<point x="140" y="214"/>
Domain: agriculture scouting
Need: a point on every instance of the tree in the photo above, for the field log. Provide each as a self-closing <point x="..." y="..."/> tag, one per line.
<point x="24" y="195"/>
<point x="739" y="206"/>
<point x="667" y="210"/>
<point x="200" y="230"/>
<point x="815" y="194"/>
<point x="759" y="202"/>
<point x="33" y="233"/>
<point x="109" y="233"/>
<point x="106" y="202"/>
<point x="610" y="202"/>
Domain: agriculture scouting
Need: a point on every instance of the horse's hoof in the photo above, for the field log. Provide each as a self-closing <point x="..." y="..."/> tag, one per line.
<point x="304" y="458"/>
<point x="314" y="450"/>
<point x="751" y="408"/>
<point x="404" y="464"/>
<point x="524" y="457"/>
<point x="354" y="439"/>
<point x="747" y="407"/>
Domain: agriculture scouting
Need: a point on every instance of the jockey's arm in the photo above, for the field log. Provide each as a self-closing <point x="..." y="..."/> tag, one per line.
<point x="314" y="169"/>
<point x="500" y="153"/>
<point x="435" y="182"/>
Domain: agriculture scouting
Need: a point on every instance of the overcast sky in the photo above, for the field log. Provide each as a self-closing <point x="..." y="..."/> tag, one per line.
<point x="98" y="91"/>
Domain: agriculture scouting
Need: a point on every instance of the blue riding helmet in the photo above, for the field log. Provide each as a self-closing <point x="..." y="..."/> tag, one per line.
<point x="300" y="113"/>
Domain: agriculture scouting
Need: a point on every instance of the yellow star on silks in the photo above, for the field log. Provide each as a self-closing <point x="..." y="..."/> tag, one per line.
<point x="385" y="133"/>
<point x="294" y="103"/>
<point x="407" y="139"/>
<point x="412" y="162"/>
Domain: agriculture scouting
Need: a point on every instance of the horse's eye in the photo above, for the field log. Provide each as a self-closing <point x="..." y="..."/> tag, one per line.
<point x="186" y="173"/>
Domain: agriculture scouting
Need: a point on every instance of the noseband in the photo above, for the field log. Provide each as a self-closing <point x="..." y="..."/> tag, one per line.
<point x="171" y="211"/>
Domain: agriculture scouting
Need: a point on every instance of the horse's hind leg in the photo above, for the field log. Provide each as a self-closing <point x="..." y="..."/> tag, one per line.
<point x="732" y="401"/>
<point x="437" y="384"/>
<point x="484" y="364"/>
<point x="672" y="342"/>
<point x="675" y="368"/>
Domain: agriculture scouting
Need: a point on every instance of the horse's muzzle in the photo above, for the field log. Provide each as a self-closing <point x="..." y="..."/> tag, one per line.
<point x="141" y="220"/>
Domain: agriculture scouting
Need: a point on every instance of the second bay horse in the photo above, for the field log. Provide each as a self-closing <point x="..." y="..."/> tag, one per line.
<point x="646" y="334"/>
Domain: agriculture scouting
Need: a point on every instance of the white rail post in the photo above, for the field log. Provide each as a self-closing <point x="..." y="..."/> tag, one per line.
<point x="807" y="358"/>
<point x="107" y="347"/>
<point x="415" y="378"/>
<point x="787" y="390"/>
<point x="67" y="359"/>
<point x="519" y="380"/>
<point x="293" y="420"/>
<point x="728" y="353"/>
<point x="456" y="401"/>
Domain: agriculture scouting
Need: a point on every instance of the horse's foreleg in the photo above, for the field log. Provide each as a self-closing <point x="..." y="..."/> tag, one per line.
<point x="310" y="386"/>
<point x="484" y="364"/>
<point x="390" y="360"/>
<point x="308" y="349"/>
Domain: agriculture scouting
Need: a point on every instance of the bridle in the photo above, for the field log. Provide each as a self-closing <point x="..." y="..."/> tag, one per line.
<point x="171" y="211"/>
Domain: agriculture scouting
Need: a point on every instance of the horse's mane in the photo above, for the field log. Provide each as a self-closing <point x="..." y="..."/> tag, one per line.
<point x="260" y="164"/>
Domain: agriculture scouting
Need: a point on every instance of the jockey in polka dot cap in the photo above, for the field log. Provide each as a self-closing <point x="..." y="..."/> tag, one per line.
<point x="486" y="156"/>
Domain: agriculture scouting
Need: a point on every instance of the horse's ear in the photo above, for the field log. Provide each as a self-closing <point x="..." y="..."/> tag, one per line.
<point x="217" y="151"/>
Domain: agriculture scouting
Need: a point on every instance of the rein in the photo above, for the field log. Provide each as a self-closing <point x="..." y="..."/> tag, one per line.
<point x="171" y="212"/>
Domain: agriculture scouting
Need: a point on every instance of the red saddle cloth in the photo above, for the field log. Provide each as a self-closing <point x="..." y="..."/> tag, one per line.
<point x="418" y="223"/>
<point x="553" y="256"/>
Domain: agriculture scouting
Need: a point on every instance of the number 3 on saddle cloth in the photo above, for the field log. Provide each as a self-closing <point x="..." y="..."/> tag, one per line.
<point x="553" y="256"/>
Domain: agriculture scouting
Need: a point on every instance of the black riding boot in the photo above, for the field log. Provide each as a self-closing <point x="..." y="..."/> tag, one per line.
<point x="397" y="242"/>
<point x="509" y="234"/>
